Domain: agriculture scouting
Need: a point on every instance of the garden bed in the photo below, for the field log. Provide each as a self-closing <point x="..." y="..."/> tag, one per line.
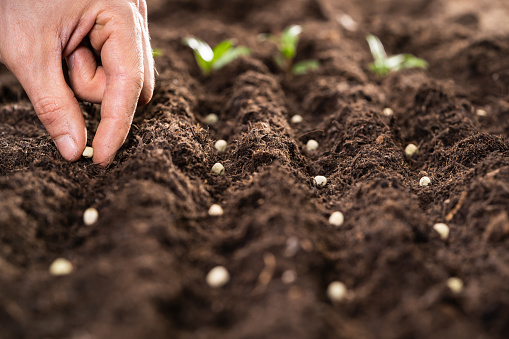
<point x="139" y="271"/>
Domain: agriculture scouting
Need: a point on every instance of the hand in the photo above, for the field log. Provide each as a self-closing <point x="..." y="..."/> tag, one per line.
<point x="35" y="36"/>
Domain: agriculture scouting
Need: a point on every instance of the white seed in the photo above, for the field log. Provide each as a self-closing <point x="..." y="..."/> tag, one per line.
<point x="90" y="216"/>
<point x="289" y="277"/>
<point x="292" y="247"/>
<point x="336" y="291"/>
<point x="296" y="119"/>
<point x="388" y="112"/>
<point x="425" y="181"/>
<point x="218" y="169"/>
<point x="215" y="210"/>
<point x="218" y="277"/>
<point x="337" y="218"/>
<point x="211" y="119"/>
<point x="411" y="149"/>
<point x="481" y="112"/>
<point x="455" y="284"/>
<point x="88" y="152"/>
<point x="61" y="266"/>
<point x="221" y="145"/>
<point x="442" y="230"/>
<point x="312" y="145"/>
<point x="320" y="181"/>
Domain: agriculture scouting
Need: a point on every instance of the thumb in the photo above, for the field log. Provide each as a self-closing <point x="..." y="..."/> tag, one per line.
<point x="55" y="105"/>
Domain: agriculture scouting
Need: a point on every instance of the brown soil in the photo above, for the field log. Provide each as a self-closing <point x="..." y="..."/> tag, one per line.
<point x="140" y="270"/>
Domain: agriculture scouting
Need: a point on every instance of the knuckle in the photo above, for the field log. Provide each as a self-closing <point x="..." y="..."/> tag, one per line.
<point x="49" y="110"/>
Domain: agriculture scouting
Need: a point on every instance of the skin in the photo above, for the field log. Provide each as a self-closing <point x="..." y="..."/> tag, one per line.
<point x="35" y="38"/>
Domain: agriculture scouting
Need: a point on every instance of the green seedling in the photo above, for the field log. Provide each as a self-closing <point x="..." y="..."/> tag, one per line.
<point x="209" y="59"/>
<point x="383" y="64"/>
<point x="287" y="51"/>
<point x="157" y="52"/>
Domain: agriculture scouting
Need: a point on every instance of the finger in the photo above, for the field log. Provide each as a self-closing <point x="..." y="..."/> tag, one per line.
<point x="118" y="36"/>
<point x="87" y="79"/>
<point x="54" y="103"/>
<point x="148" y="58"/>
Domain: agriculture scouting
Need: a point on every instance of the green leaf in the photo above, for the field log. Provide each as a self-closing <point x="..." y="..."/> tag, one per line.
<point x="412" y="61"/>
<point x="156" y="52"/>
<point x="289" y="41"/>
<point x="202" y="53"/>
<point x="377" y="49"/>
<point x="221" y="49"/>
<point x="230" y="55"/>
<point x="305" y="66"/>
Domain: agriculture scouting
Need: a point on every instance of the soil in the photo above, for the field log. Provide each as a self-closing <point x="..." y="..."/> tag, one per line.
<point x="140" y="270"/>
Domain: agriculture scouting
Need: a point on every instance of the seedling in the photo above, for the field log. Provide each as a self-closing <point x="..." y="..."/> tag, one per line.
<point x="287" y="51"/>
<point x="209" y="59"/>
<point x="157" y="53"/>
<point x="383" y="64"/>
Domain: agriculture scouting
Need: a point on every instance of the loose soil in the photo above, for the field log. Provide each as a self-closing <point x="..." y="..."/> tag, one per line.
<point x="140" y="270"/>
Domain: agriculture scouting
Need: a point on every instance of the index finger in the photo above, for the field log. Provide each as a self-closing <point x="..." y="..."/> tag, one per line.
<point x="118" y="35"/>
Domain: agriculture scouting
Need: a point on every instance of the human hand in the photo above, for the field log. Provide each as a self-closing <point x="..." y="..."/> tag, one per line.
<point x="37" y="35"/>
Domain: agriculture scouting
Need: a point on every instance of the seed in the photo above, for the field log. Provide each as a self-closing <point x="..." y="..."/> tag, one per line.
<point x="218" y="277"/>
<point x="455" y="284"/>
<point x="336" y="291"/>
<point x="388" y="112"/>
<point x="90" y="216"/>
<point x="61" y="266"/>
<point x="425" y="181"/>
<point x="312" y="145"/>
<point x="481" y="112"/>
<point x="320" y="181"/>
<point x="410" y="150"/>
<point x="221" y="145"/>
<point x="215" y="210"/>
<point x="218" y="169"/>
<point x="442" y="230"/>
<point x="211" y="119"/>
<point x="292" y="247"/>
<point x="296" y="119"/>
<point x="337" y="218"/>
<point x="88" y="152"/>
<point x="289" y="276"/>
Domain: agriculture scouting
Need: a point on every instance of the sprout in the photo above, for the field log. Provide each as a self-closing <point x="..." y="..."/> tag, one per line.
<point x="157" y="52"/>
<point x="209" y="59"/>
<point x="455" y="284"/>
<point x="215" y="210"/>
<point x="218" y="169"/>
<point x="218" y="277"/>
<point x="296" y="119"/>
<point x="388" y="112"/>
<point x="221" y="145"/>
<point x="337" y="218"/>
<point x="287" y="51"/>
<point x="90" y="216"/>
<point x="425" y="181"/>
<point x="289" y="277"/>
<point x="211" y="119"/>
<point x="442" y="230"/>
<point x="336" y="291"/>
<point x="410" y="150"/>
<point x="88" y="152"/>
<point x="61" y="267"/>
<point x="312" y="145"/>
<point x="320" y="181"/>
<point x="383" y="64"/>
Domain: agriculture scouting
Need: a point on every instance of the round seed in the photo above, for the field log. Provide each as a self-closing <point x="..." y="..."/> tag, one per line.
<point x="90" y="216"/>
<point x="211" y="119"/>
<point x="481" y="112"/>
<point x="455" y="284"/>
<point x="289" y="277"/>
<point x="336" y="291"/>
<point x="218" y="169"/>
<point x="60" y="267"/>
<point x="320" y="181"/>
<point x="296" y="119"/>
<point x="410" y="150"/>
<point x="388" y="112"/>
<point x="218" y="277"/>
<point x="221" y="145"/>
<point x="442" y="230"/>
<point x="337" y="218"/>
<point x="312" y="145"/>
<point x="215" y="210"/>
<point x="425" y="181"/>
<point x="88" y="152"/>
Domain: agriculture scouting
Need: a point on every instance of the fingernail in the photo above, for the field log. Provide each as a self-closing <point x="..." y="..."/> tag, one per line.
<point x="70" y="61"/>
<point x="67" y="147"/>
